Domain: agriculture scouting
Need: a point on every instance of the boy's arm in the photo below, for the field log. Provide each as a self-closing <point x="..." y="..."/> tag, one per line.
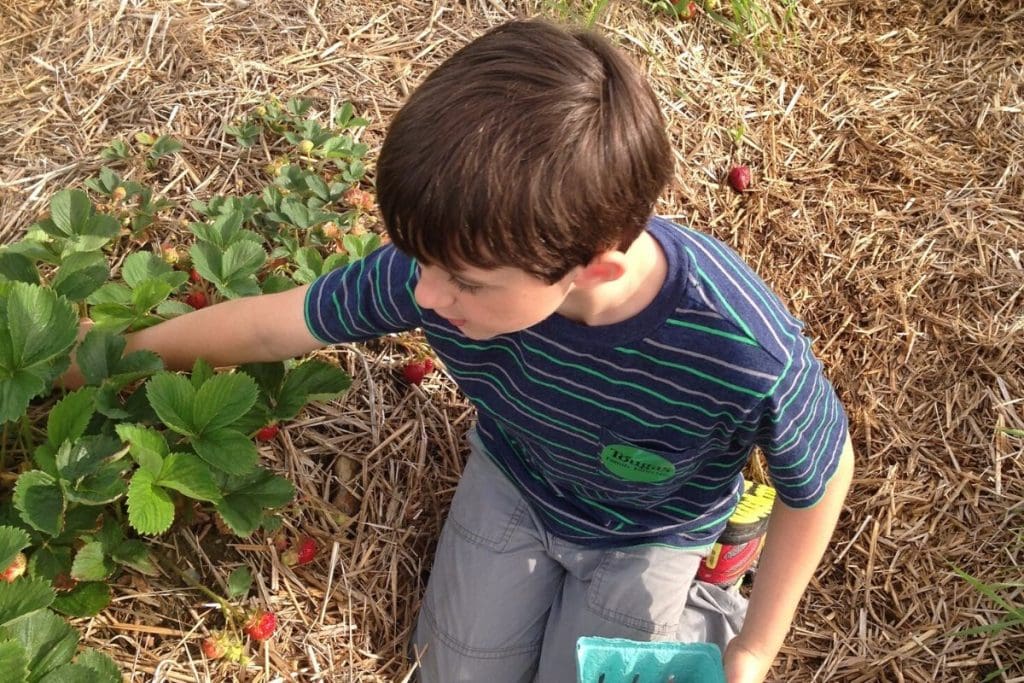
<point x="796" y="540"/>
<point x="263" y="328"/>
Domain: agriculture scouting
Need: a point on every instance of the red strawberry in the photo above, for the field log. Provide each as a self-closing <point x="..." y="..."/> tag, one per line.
<point x="195" y="277"/>
<point x="739" y="178"/>
<point x="16" y="568"/>
<point x="197" y="299"/>
<point x="267" y="433"/>
<point x="260" y="626"/>
<point x="303" y="552"/>
<point x="414" y="371"/>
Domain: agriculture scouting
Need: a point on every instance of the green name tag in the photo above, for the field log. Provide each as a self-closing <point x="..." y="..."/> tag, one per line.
<point x="633" y="464"/>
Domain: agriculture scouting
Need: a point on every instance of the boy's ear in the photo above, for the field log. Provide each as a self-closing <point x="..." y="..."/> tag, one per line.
<point x="607" y="266"/>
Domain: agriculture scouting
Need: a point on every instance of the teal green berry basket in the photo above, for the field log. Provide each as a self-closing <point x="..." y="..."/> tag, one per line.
<point x="615" y="660"/>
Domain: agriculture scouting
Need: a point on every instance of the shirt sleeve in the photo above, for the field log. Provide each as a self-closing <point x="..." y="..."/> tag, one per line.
<point x="365" y="299"/>
<point x="802" y="430"/>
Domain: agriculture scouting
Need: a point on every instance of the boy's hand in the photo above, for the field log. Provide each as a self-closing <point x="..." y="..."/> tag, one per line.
<point x="743" y="665"/>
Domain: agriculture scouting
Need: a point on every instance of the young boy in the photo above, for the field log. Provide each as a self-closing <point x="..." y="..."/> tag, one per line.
<point x="622" y="367"/>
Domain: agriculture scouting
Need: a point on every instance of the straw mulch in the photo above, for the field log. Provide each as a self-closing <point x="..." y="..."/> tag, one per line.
<point x="887" y="209"/>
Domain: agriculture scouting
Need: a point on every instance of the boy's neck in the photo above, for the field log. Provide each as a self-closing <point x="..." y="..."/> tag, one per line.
<point x="618" y="300"/>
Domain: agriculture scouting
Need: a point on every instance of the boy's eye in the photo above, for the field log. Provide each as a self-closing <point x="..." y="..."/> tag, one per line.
<point x="464" y="287"/>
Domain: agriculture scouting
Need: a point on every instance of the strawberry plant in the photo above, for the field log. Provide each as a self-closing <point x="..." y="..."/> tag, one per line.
<point x="104" y="468"/>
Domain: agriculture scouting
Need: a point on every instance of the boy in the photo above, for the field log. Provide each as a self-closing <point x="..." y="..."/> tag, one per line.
<point x="622" y="367"/>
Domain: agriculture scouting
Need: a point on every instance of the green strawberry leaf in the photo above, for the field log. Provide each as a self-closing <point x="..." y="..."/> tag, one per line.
<point x="135" y="554"/>
<point x="111" y="293"/>
<point x="150" y="508"/>
<point x="147" y="446"/>
<point x="149" y="293"/>
<point x="12" y="541"/>
<point x="202" y="372"/>
<point x="243" y="508"/>
<point x="22" y="597"/>
<point x="85" y="456"/>
<point x="141" y="266"/>
<point x="222" y="400"/>
<point x="80" y="275"/>
<point x="48" y="640"/>
<point x="173" y="397"/>
<point x="70" y="673"/>
<point x="37" y="331"/>
<point x="104" y="486"/>
<point x="69" y="419"/>
<point x="227" y="450"/>
<point x="312" y="380"/>
<point x="222" y="233"/>
<point x="112" y="317"/>
<point x="13" y="661"/>
<point x="92" y="563"/>
<point x="268" y="376"/>
<point x="104" y="668"/>
<point x="49" y="561"/>
<point x="187" y="474"/>
<point x="73" y="220"/>
<point x="37" y="496"/>
<point x="84" y="600"/>
<point x="18" y="267"/>
<point x="239" y="583"/>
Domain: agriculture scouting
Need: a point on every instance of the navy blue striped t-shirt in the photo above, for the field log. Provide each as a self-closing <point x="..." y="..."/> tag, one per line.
<point x="635" y="432"/>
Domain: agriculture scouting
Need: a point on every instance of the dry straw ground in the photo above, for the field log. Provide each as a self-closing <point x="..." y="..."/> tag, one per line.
<point x="887" y="141"/>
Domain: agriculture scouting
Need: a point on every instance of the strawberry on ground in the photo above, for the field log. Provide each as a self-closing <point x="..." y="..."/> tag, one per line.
<point x="303" y="552"/>
<point x="414" y="371"/>
<point x="739" y="178"/>
<point x="267" y="433"/>
<point x="15" y="569"/>
<point x="213" y="648"/>
<point x="260" y="625"/>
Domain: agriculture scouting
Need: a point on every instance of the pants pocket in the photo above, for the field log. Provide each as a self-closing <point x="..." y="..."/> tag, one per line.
<point x="486" y="509"/>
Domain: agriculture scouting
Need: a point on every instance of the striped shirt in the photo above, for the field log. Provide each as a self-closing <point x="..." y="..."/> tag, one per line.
<point x="635" y="432"/>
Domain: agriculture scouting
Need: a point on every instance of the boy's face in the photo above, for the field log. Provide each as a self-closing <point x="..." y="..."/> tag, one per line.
<point x="487" y="303"/>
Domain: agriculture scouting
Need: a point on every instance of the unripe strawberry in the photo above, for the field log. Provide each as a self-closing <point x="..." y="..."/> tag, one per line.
<point x="260" y="625"/>
<point x="169" y="253"/>
<point x="306" y="146"/>
<point x="685" y="10"/>
<point x="739" y="178"/>
<point x="15" y="569"/>
<point x="267" y="433"/>
<point x="118" y="194"/>
<point x="414" y="371"/>
<point x="197" y="299"/>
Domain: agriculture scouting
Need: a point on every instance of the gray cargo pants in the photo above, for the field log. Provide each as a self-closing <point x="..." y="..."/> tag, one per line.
<point x="506" y="601"/>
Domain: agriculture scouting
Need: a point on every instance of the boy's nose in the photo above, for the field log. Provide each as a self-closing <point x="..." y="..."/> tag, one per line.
<point x="432" y="291"/>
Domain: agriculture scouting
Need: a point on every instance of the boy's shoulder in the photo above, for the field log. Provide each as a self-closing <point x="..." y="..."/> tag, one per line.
<point x="724" y="293"/>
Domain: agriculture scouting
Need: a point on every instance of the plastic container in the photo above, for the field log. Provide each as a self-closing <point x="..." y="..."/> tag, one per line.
<point x="628" y="661"/>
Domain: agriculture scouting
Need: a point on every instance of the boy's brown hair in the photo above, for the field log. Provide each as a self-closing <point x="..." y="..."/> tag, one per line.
<point x="532" y="147"/>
